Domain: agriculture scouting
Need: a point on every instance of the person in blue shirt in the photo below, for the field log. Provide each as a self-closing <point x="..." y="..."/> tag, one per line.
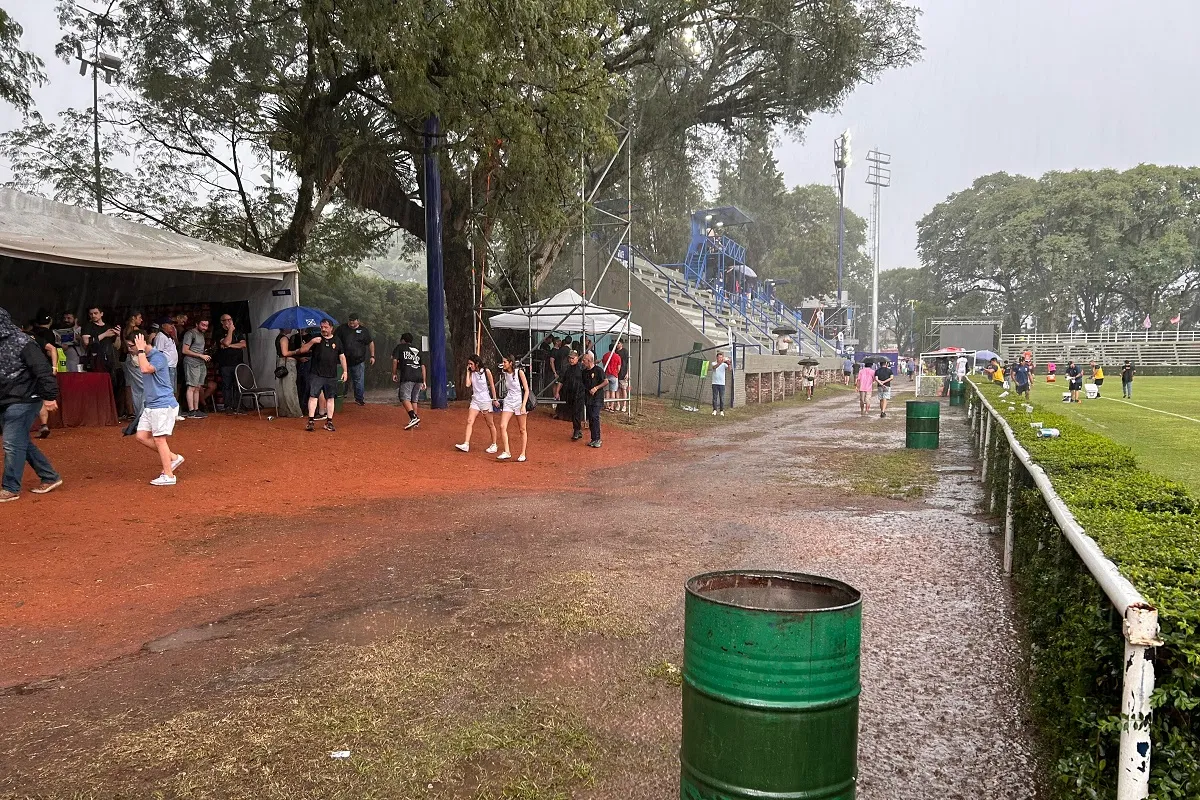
<point x="1022" y="379"/>
<point x="159" y="406"/>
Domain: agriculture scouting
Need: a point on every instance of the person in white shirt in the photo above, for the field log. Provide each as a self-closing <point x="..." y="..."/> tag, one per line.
<point x="164" y="341"/>
<point x="960" y="368"/>
<point x="719" y="371"/>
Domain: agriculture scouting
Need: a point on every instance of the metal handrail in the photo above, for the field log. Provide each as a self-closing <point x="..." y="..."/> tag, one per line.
<point x="1140" y="618"/>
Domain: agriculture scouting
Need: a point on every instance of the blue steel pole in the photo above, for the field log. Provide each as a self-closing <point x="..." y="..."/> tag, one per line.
<point x="433" y="267"/>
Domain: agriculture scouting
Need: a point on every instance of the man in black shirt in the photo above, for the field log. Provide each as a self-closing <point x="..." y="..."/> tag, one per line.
<point x="1074" y="381"/>
<point x="562" y="355"/>
<point x="594" y="382"/>
<point x="359" y="348"/>
<point x="325" y="354"/>
<point x="883" y="386"/>
<point x="409" y="372"/>
<point x="230" y="348"/>
<point x="42" y="334"/>
<point x="1127" y="380"/>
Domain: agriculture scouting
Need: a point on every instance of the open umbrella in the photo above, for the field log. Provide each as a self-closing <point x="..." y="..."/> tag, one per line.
<point x="297" y="317"/>
<point x="876" y="360"/>
<point x="808" y="362"/>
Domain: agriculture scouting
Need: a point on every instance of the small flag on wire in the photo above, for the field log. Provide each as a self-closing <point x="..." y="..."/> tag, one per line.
<point x="1175" y="319"/>
<point x="1146" y="323"/>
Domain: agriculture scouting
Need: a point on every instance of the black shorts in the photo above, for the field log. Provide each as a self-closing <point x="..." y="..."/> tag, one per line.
<point x="1099" y="381"/>
<point x="1076" y="385"/>
<point x="318" y="384"/>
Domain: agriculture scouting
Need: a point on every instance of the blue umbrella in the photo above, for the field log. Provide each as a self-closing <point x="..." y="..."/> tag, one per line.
<point x="296" y="317"/>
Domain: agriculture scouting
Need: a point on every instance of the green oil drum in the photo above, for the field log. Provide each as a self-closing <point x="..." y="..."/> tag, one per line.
<point x="957" y="393"/>
<point x="921" y="424"/>
<point x="770" y="687"/>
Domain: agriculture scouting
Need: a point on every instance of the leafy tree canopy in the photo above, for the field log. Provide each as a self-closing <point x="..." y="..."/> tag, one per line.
<point x="20" y="70"/>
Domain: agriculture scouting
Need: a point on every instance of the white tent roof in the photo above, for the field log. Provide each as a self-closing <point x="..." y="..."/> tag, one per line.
<point x="566" y="312"/>
<point x="38" y="229"/>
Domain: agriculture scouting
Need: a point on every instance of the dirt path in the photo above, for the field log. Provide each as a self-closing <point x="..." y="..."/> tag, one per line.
<point x="522" y="642"/>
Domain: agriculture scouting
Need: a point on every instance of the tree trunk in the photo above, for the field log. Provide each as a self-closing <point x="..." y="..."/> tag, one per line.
<point x="460" y="303"/>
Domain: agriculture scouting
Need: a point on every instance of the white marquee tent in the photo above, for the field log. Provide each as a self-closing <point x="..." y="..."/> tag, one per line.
<point x="63" y="258"/>
<point x="568" y="312"/>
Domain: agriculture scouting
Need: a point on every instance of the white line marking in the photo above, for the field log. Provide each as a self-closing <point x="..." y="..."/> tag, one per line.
<point x="1155" y="410"/>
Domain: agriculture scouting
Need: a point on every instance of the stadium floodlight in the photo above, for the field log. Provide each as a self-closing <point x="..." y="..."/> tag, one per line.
<point x="841" y="162"/>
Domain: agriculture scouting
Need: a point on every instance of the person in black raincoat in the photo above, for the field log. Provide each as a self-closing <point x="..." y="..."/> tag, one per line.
<point x="572" y="395"/>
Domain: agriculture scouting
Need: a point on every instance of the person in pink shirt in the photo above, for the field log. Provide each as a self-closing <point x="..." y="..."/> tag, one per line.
<point x="865" y="383"/>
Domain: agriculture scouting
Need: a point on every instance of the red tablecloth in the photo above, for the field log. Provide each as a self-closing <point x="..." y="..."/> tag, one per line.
<point x="85" y="399"/>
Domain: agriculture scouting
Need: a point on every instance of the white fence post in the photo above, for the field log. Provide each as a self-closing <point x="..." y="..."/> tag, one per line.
<point x="1009" y="534"/>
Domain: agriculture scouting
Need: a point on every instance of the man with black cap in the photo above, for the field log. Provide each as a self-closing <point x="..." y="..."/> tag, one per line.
<point x="358" y="346"/>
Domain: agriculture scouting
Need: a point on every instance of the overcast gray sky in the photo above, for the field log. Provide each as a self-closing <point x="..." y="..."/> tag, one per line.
<point x="1022" y="86"/>
<point x="1018" y="85"/>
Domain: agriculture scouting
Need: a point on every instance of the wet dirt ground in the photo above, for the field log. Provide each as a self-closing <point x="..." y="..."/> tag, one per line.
<point x="575" y="579"/>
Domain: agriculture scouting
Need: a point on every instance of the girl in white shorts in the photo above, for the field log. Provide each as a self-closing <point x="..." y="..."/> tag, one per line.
<point x="483" y="390"/>
<point x="515" y="398"/>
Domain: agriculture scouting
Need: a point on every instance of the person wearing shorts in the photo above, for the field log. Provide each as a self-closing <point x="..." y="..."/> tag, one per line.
<point x="1022" y="377"/>
<point x="409" y="372"/>
<point x="847" y="370"/>
<point x="195" y="367"/>
<point x="327" y="354"/>
<point x="810" y="381"/>
<point x="883" y="387"/>
<point x="1097" y="376"/>
<point x="483" y="400"/>
<point x="1074" y="381"/>
<point x="865" y="381"/>
<point x="612" y="369"/>
<point x="159" y="406"/>
<point x="623" y="378"/>
<point x="516" y="395"/>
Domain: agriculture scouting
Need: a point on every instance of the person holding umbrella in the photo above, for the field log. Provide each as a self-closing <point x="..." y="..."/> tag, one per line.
<point x="285" y="383"/>
<point x="306" y="322"/>
<point x="809" y="376"/>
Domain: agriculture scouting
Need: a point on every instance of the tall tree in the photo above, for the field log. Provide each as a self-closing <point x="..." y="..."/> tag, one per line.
<point x="20" y="70"/>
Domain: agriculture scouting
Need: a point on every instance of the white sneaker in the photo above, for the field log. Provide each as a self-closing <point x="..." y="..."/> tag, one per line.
<point x="163" y="480"/>
<point x="180" y="417"/>
<point x="175" y="464"/>
<point x="722" y="413"/>
<point x="503" y="457"/>
<point x="465" y="447"/>
<point x="491" y="448"/>
<point x="521" y="459"/>
<point x="714" y="412"/>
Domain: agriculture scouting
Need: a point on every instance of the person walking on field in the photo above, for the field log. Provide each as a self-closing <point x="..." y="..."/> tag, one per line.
<point x="572" y="394"/>
<point x="883" y="384"/>
<point x="594" y="381"/>
<point x="1074" y="381"/>
<point x="719" y="371"/>
<point x="866" y="385"/>
<point x="483" y="400"/>
<point x="1127" y="380"/>
<point x="27" y="385"/>
<point x="809" y="376"/>
<point x="326" y="355"/>
<point x="1022" y="379"/>
<point x="1097" y="376"/>
<point x="159" y="406"/>
<point x="409" y="373"/>
<point x="359" y="349"/>
<point x="516" y="396"/>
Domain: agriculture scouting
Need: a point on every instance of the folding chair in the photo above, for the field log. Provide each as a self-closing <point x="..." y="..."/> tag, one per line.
<point x="247" y="388"/>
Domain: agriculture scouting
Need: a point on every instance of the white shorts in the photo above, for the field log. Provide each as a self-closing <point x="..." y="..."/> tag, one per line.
<point x="159" y="421"/>
<point x="482" y="406"/>
<point x="513" y="404"/>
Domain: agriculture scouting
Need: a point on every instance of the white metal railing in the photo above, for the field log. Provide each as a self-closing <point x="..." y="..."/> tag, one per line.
<point x="1140" y="619"/>
<point x="1101" y="337"/>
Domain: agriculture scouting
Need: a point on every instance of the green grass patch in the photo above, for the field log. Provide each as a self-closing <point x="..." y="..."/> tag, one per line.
<point x="1161" y="443"/>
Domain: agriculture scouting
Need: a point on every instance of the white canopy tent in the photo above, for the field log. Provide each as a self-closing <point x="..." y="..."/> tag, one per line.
<point x="61" y="258"/>
<point x="568" y="312"/>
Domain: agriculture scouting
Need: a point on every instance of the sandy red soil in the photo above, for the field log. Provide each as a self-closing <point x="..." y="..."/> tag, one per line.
<point x="108" y="562"/>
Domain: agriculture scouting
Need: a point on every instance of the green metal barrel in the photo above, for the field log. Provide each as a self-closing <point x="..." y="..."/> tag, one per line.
<point x="770" y="687"/>
<point x="921" y="424"/>
<point x="957" y="393"/>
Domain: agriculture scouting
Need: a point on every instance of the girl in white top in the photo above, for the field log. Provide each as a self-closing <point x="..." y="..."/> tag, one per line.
<point x="514" y="406"/>
<point x="483" y="392"/>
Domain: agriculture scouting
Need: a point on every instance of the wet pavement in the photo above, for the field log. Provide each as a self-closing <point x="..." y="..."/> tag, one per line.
<point x="586" y="579"/>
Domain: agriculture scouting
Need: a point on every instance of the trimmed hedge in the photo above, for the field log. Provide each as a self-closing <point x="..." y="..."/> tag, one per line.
<point x="1150" y="528"/>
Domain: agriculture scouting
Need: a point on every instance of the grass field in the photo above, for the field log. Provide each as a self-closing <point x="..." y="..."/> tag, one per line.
<point x="1161" y="423"/>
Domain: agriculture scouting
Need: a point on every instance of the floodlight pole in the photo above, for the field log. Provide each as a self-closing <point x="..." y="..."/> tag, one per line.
<point x="879" y="175"/>
<point x="841" y="161"/>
